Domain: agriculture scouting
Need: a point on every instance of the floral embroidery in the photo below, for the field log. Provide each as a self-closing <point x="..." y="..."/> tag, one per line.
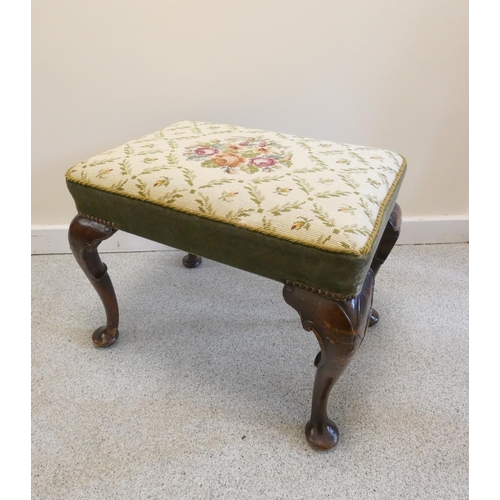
<point x="228" y="195"/>
<point x="346" y="209"/>
<point x="302" y="222"/>
<point x="164" y="181"/>
<point x="205" y="151"/>
<point x="228" y="160"/>
<point x="103" y="172"/>
<point x="250" y="155"/>
<point x="323" y="194"/>
<point x="263" y="162"/>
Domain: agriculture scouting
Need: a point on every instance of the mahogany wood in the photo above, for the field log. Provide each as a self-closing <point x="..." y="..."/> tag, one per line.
<point x="191" y="260"/>
<point x="389" y="238"/>
<point x="374" y="317"/>
<point x="340" y="327"/>
<point x="84" y="238"/>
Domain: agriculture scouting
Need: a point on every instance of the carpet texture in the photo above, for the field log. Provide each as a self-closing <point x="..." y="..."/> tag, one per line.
<point x="208" y="389"/>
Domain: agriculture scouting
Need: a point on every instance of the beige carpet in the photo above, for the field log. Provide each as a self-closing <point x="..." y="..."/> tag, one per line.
<point x="207" y="391"/>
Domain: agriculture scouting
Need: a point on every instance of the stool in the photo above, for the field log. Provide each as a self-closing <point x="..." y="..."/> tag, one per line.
<point x="318" y="216"/>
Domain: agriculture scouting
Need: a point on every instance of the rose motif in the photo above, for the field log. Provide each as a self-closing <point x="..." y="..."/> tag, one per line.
<point x="228" y="160"/>
<point x="249" y="155"/>
<point x="262" y="161"/>
<point x="205" y="151"/>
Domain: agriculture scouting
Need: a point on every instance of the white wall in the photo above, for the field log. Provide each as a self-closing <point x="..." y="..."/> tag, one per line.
<point x="391" y="74"/>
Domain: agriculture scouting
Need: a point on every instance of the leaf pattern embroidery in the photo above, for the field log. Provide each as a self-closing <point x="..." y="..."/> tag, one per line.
<point x="324" y="194"/>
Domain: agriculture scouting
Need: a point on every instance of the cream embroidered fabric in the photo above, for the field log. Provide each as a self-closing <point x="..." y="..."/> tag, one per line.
<point x="317" y="193"/>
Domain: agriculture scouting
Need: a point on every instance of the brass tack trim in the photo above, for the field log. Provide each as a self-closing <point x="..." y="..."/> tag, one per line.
<point x="324" y="293"/>
<point x="96" y="219"/>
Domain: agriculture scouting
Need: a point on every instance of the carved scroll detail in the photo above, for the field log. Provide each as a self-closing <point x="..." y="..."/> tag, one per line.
<point x="340" y="327"/>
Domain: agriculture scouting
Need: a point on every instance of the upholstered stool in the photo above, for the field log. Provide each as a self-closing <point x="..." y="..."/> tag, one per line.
<point x="318" y="216"/>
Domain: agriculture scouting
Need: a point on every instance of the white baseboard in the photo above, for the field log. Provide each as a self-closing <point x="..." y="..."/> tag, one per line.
<point x="434" y="229"/>
<point x="53" y="239"/>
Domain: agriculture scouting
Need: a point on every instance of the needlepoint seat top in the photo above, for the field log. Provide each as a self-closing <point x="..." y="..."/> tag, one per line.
<point x="317" y="193"/>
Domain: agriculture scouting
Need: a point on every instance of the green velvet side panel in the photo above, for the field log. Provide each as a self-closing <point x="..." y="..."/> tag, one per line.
<point x="251" y="251"/>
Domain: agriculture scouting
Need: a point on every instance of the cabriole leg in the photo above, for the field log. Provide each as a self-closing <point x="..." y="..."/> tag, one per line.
<point x="387" y="242"/>
<point x="191" y="260"/>
<point x="84" y="238"/>
<point x="340" y="327"/>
